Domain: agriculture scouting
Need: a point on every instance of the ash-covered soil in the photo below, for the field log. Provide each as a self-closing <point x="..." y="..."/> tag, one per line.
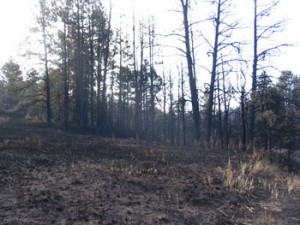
<point x="48" y="176"/>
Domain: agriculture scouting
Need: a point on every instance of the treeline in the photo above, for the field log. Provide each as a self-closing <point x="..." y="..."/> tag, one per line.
<point x="104" y="78"/>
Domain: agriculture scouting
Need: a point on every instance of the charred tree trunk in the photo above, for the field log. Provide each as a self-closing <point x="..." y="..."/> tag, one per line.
<point x="220" y="114"/>
<point x="92" y="78"/>
<point x="243" y="118"/>
<point x="213" y="74"/>
<point x="136" y="85"/>
<point x="254" y="75"/>
<point x="171" y="112"/>
<point x="152" y="97"/>
<point x="120" y="94"/>
<point x="66" y="77"/>
<point x="165" y="107"/>
<point x="183" y="101"/>
<point x="191" y="74"/>
<point x="79" y="66"/>
<point x="99" y="79"/>
<point x="43" y="22"/>
<point x="106" y="60"/>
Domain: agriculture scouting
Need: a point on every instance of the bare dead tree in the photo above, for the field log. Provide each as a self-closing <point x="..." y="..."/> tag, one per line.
<point x="262" y="32"/>
<point x="185" y="4"/>
<point x="223" y="32"/>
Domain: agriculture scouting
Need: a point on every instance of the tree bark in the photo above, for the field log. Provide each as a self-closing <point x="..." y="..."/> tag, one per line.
<point x="106" y="58"/>
<point x="152" y="106"/>
<point x="213" y="74"/>
<point x="191" y="74"/>
<point x="254" y="74"/>
<point x="79" y="66"/>
<point x="45" y="44"/>
<point x="92" y="78"/>
<point x="183" y="101"/>
<point x="66" y="77"/>
<point x="165" y="107"/>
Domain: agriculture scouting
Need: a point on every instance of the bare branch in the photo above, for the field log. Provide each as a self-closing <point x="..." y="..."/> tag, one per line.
<point x="262" y="55"/>
<point x="206" y="40"/>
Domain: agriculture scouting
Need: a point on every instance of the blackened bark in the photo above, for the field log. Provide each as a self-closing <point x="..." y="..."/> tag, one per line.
<point x="171" y="112"/>
<point x="104" y="89"/>
<point x="43" y="22"/>
<point x="165" y="107"/>
<point x="79" y="67"/>
<point x="152" y="106"/>
<point x="213" y="74"/>
<point x="183" y="101"/>
<point x="66" y="78"/>
<point x="136" y="84"/>
<point x="243" y="118"/>
<point x="191" y="74"/>
<point x="254" y="74"/>
<point x="92" y="78"/>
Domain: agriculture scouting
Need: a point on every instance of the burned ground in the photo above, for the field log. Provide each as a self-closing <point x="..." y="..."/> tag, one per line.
<point x="49" y="176"/>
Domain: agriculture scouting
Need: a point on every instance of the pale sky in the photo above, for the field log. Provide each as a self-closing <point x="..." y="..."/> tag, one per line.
<point x="17" y="16"/>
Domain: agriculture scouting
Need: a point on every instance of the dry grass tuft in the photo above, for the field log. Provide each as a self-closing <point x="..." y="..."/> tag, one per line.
<point x="256" y="172"/>
<point x="262" y="166"/>
<point x="243" y="176"/>
<point x="239" y="179"/>
<point x="26" y="142"/>
<point x="293" y="184"/>
<point x="4" y="120"/>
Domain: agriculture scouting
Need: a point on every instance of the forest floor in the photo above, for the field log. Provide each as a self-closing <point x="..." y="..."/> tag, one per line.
<point x="49" y="176"/>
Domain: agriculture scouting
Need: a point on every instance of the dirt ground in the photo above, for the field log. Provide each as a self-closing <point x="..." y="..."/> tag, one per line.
<point x="49" y="176"/>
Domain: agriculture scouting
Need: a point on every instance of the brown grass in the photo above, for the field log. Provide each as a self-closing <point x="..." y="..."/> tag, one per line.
<point x="237" y="179"/>
<point x="293" y="184"/>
